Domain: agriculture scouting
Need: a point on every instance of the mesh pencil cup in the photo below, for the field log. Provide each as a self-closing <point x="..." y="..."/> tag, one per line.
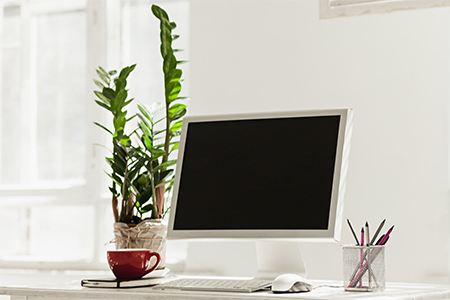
<point x="364" y="268"/>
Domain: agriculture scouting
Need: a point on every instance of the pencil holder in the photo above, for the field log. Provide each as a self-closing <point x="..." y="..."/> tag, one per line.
<point x="364" y="268"/>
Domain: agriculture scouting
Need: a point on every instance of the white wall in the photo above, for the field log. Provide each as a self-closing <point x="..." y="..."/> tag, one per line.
<point x="391" y="68"/>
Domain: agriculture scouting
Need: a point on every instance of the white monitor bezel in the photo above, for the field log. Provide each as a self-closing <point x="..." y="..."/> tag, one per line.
<point x="336" y="209"/>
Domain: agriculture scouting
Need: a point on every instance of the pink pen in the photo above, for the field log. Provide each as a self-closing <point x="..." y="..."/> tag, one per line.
<point x="361" y="256"/>
<point x="386" y="236"/>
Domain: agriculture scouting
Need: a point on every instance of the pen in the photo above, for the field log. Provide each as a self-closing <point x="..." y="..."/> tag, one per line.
<point x="379" y="240"/>
<point x="383" y="241"/>
<point x="361" y="253"/>
<point x="353" y="231"/>
<point x="367" y="234"/>
<point x="362" y="236"/>
<point x="377" y="232"/>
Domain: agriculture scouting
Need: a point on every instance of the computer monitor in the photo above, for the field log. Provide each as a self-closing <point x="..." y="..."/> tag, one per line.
<point x="277" y="176"/>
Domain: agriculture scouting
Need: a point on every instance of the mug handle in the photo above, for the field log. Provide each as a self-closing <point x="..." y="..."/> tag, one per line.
<point x="158" y="260"/>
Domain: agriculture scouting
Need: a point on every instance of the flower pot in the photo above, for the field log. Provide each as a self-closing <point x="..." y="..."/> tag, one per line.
<point x="149" y="234"/>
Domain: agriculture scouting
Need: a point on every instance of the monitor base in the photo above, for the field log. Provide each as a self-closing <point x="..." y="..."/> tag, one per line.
<point x="245" y="258"/>
<point x="275" y="258"/>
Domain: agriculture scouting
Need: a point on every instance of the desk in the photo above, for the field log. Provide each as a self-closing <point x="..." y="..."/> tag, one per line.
<point x="63" y="285"/>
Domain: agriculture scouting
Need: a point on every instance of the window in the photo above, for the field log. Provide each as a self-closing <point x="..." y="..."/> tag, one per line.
<point x="339" y="8"/>
<point x="54" y="199"/>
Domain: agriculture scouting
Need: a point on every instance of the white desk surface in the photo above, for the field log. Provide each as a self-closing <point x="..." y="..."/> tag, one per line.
<point x="65" y="285"/>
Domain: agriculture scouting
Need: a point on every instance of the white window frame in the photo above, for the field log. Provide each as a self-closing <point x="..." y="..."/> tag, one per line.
<point x="76" y="193"/>
<point x="346" y="8"/>
<point x="104" y="49"/>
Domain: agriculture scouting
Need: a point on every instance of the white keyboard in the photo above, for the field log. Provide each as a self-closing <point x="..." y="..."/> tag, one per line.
<point x="223" y="285"/>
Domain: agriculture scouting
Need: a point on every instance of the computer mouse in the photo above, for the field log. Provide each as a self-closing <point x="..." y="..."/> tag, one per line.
<point x="290" y="283"/>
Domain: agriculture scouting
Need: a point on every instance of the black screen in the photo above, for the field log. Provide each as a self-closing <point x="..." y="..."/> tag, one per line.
<point x="258" y="174"/>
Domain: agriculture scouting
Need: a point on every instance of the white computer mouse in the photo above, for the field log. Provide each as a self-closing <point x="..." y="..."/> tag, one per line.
<point x="290" y="283"/>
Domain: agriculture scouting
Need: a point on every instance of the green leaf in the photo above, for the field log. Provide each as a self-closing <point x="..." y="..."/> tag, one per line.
<point x="125" y="141"/>
<point x="120" y="120"/>
<point x="115" y="178"/>
<point x="174" y="75"/>
<point x="176" y="126"/>
<point x="170" y="62"/>
<point x="105" y="106"/>
<point x="101" y="126"/>
<point x="145" y="196"/>
<point x="165" y="174"/>
<point x="136" y="168"/>
<point x="102" y="97"/>
<point x="103" y="71"/>
<point x="121" y="153"/>
<point x="144" y="126"/>
<point x="117" y="104"/>
<point x="144" y="180"/>
<point x="99" y="84"/>
<point x="177" y="111"/>
<point x="164" y="183"/>
<point x="160" y="120"/>
<point x="109" y="93"/>
<point x="128" y="102"/>
<point x="156" y="153"/>
<point x="119" y="160"/>
<point x="166" y="48"/>
<point x="159" y="12"/>
<point x="147" y="142"/>
<point x="103" y="75"/>
<point x="118" y="169"/>
<point x="146" y="208"/>
<point x="132" y="117"/>
<point x="165" y="165"/>
<point x="173" y="87"/>
<point x="145" y="112"/>
<point x="175" y="134"/>
<point x="126" y="71"/>
<point x="159" y="132"/>
<point x="113" y="191"/>
<point x="120" y="84"/>
<point x="176" y="146"/>
<point x="112" y="72"/>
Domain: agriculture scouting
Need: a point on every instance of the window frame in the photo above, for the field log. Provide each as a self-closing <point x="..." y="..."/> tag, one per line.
<point x="104" y="49"/>
<point x="88" y="191"/>
<point x="329" y="9"/>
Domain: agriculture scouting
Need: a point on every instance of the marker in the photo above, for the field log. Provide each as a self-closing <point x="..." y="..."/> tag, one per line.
<point x="377" y="232"/>
<point x="353" y="231"/>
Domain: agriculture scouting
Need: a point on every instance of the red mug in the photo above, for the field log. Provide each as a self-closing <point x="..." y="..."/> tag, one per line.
<point x="128" y="264"/>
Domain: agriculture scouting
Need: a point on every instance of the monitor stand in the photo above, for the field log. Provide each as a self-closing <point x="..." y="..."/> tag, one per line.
<point x="261" y="259"/>
<point x="276" y="258"/>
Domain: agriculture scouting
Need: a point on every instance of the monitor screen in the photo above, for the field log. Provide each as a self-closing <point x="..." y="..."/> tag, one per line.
<point x="275" y="175"/>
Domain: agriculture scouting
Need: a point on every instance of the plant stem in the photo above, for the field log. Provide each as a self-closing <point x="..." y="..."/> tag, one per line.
<point x="167" y="140"/>
<point x="155" y="204"/>
<point x="124" y="184"/>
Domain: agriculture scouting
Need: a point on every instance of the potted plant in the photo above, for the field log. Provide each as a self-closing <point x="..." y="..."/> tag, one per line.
<point x="141" y="164"/>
